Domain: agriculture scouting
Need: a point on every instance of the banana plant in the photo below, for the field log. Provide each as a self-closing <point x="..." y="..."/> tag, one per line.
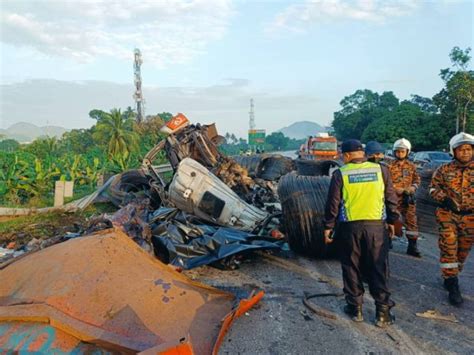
<point x="92" y="173"/>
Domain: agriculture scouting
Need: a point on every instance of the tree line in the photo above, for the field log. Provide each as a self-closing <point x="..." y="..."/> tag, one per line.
<point x="427" y="122"/>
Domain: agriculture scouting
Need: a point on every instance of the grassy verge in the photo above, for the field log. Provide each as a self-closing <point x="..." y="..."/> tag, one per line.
<point x="43" y="226"/>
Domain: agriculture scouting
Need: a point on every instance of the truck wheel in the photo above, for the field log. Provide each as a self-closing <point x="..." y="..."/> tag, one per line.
<point x="303" y="199"/>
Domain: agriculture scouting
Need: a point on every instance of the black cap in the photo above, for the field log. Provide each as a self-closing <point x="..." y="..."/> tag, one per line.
<point x="373" y="147"/>
<point x="351" y="145"/>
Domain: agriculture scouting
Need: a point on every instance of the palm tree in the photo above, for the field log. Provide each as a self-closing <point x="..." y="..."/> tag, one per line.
<point x="122" y="140"/>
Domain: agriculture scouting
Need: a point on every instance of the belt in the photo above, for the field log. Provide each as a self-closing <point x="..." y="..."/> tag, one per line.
<point x="461" y="213"/>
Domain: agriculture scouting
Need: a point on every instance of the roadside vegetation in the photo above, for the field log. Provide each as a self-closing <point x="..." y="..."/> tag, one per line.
<point x="428" y="123"/>
<point x="114" y="144"/>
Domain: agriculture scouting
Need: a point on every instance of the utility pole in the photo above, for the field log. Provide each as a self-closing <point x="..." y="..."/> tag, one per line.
<point x="138" y="96"/>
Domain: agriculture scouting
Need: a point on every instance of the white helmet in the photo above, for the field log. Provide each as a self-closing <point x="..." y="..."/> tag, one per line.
<point x="402" y="144"/>
<point x="460" y="139"/>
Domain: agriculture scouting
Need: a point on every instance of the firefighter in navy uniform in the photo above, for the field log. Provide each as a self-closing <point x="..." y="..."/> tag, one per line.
<point x="452" y="186"/>
<point x="361" y="199"/>
<point x="405" y="182"/>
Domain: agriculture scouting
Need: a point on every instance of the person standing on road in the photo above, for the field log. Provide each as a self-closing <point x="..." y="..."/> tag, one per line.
<point x="452" y="186"/>
<point x="405" y="181"/>
<point x="374" y="152"/>
<point x="360" y="199"/>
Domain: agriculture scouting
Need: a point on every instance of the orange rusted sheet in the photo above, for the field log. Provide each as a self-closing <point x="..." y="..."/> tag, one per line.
<point x="104" y="290"/>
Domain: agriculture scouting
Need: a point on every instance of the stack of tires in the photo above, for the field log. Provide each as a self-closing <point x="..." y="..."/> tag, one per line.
<point x="316" y="167"/>
<point x="273" y="167"/>
<point x="303" y="198"/>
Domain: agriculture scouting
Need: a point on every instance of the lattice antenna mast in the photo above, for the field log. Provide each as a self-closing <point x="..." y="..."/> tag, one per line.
<point x="138" y="95"/>
<point x="251" y="116"/>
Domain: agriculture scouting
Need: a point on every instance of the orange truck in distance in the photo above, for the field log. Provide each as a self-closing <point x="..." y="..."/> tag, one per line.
<point x="320" y="147"/>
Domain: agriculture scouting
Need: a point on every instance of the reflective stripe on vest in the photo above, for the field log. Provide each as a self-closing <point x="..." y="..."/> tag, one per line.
<point x="362" y="192"/>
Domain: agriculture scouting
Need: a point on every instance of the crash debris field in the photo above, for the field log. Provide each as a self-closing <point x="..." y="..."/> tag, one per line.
<point x="184" y="252"/>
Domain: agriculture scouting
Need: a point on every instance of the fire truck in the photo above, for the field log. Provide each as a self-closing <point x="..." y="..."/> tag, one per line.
<point x="320" y="147"/>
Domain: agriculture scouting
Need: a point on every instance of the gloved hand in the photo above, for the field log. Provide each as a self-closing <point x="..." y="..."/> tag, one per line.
<point x="450" y="204"/>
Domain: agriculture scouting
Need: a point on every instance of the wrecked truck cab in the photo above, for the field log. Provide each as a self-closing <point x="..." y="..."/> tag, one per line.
<point x="195" y="190"/>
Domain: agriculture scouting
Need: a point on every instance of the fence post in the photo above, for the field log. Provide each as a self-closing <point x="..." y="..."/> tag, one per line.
<point x="68" y="188"/>
<point x="59" y="193"/>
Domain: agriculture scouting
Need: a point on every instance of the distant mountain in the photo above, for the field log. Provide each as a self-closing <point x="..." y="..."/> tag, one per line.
<point x="302" y="129"/>
<point x="25" y="132"/>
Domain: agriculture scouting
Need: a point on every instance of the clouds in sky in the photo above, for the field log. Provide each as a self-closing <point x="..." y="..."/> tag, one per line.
<point x="168" y="31"/>
<point x="298" y="17"/>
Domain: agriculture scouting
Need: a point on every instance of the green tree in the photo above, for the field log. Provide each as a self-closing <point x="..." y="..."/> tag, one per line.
<point x="456" y="99"/>
<point x="115" y="129"/>
<point x="130" y="113"/>
<point x="424" y="130"/>
<point x="43" y="147"/>
<point x="165" y="116"/>
<point x="77" y="141"/>
<point x="9" y="145"/>
<point x="424" y="103"/>
<point x="276" y="141"/>
<point x="359" y="110"/>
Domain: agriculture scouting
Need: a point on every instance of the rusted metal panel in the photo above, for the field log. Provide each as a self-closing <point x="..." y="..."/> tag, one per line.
<point x="104" y="290"/>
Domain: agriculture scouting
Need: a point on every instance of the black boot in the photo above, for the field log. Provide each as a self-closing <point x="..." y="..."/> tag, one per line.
<point x="355" y="312"/>
<point x="383" y="316"/>
<point x="413" y="248"/>
<point x="452" y="285"/>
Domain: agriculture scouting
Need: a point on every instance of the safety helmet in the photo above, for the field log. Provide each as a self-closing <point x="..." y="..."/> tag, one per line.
<point x="402" y="144"/>
<point x="460" y="139"/>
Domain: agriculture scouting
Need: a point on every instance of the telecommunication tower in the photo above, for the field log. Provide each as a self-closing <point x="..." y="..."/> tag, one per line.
<point x="256" y="136"/>
<point x="251" y="116"/>
<point x="138" y="96"/>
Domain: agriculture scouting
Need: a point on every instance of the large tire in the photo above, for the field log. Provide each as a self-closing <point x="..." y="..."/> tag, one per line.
<point x="249" y="162"/>
<point x="129" y="185"/>
<point x="316" y="167"/>
<point x="273" y="167"/>
<point x="303" y="199"/>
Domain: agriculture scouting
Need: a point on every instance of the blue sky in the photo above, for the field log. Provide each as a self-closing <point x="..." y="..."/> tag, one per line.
<point x="208" y="58"/>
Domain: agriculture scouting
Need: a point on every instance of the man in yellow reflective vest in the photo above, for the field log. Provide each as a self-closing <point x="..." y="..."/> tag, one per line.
<point x="362" y="201"/>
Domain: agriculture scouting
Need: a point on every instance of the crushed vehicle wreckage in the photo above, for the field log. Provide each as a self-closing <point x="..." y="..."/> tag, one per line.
<point x="213" y="211"/>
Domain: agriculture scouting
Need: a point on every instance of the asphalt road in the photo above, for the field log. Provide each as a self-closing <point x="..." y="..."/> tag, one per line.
<point x="281" y="324"/>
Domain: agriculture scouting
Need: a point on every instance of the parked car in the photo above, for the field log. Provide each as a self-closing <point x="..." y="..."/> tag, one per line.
<point x="431" y="159"/>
